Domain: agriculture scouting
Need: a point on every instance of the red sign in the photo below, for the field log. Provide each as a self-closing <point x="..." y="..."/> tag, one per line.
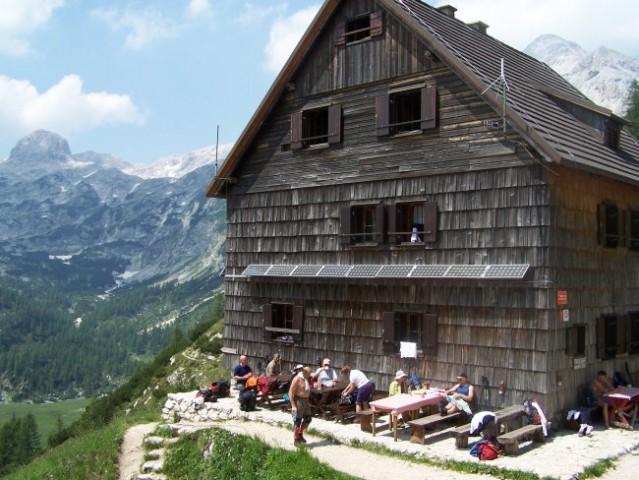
<point x="562" y="297"/>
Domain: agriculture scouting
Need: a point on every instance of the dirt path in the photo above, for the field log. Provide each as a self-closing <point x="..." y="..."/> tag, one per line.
<point x="132" y="450"/>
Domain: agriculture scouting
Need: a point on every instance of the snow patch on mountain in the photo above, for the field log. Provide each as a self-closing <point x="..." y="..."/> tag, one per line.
<point x="603" y="75"/>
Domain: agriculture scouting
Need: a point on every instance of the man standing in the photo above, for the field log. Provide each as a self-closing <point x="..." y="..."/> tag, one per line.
<point x="242" y="373"/>
<point x="299" y="394"/>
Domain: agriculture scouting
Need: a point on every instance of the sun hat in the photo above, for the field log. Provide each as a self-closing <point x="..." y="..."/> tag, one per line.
<point x="326" y="361"/>
<point x="299" y="366"/>
<point x="400" y="374"/>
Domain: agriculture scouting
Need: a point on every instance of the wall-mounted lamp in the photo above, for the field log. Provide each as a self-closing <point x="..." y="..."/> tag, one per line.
<point x="502" y="388"/>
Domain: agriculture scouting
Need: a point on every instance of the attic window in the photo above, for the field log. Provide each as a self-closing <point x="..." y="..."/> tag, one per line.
<point x="359" y="28"/>
<point x="406" y="110"/>
<point x="612" y="133"/>
<point x="316" y="126"/>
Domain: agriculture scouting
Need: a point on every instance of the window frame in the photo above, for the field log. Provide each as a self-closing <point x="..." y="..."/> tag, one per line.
<point x="611" y="336"/>
<point x="350" y="220"/>
<point x="397" y="213"/>
<point x="385" y="111"/>
<point x="576" y="340"/>
<point x="349" y="32"/>
<point x="305" y="125"/>
<point x="610" y="229"/>
<point x="280" y="319"/>
<point x="632" y="229"/>
<point x="427" y="332"/>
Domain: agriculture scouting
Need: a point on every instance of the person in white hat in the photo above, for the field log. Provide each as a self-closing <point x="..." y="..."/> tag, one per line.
<point x="398" y="385"/>
<point x="325" y="375"/>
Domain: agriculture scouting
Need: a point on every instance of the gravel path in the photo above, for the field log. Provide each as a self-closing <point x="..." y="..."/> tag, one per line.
<point x="132" y="450"/>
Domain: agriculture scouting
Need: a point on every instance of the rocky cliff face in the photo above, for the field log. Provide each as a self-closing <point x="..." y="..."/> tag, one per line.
<point x="603" y="75"/>
<point x="81" y="221"/>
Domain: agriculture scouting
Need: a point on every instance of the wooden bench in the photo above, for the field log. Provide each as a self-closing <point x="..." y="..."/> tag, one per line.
<point x="510" y="440"/>
<point x="503" y="416"/>
<point x="365" y="420"/>
<point x="342" y="413"/>
<point x="418" y="427"/>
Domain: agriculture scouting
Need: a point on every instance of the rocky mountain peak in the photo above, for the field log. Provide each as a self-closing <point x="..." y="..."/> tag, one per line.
<point x="41" y="144"/>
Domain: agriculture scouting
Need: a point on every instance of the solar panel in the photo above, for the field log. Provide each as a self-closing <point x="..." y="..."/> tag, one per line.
<point x="506" y="271"/>
<point x="255" y="270"/>
<point x="306" y="270"/>
<point x="398" y="271"/>
<point x="429" y="271"/>
<point x="364" y="270"/>
<point x="334" y="271"/>
<point x="467" y="271"/>
<point x="280" y="270"/>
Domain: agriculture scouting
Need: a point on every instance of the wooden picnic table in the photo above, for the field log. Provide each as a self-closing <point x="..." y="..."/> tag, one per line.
<point x="404" y="403"/>
<point x="323" y="396"/>
<point x="624" y="402"/>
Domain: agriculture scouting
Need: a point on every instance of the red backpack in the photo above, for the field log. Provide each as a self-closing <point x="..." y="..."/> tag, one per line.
<point x="489" y="451"/>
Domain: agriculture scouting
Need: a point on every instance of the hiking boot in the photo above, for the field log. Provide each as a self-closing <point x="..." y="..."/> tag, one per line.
<point x="297" y="441"/>
<point x="302" y="439"/>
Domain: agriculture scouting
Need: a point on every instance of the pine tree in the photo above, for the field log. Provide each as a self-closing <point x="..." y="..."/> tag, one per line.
<point x="632" y="109"/>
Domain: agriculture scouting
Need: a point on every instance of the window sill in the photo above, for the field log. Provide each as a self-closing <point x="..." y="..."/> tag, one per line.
<point x="363" y="246"/>
<point x="406" y="134"/>
<point x="317" y="146"/>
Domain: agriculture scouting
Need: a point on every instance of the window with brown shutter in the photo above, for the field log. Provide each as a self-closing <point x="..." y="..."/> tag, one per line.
<point x="609" y="225"/>
<point x="413" y="327"/>
<point x="360" y="28"/>
<point x="362" y="224"/>
<point x="283" y="322"/>
<point x="406" y="110"/>
<point x="412" y="223"/>
<point x="316" y="126"/>
<point x="633" y="332"/>
<point x="609" y="336"/>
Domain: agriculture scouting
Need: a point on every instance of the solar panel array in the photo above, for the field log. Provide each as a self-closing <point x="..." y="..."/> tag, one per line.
<point x="516" y="271"/>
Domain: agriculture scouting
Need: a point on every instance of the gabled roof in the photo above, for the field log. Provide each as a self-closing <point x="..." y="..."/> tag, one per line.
<point x="532" y="106"/>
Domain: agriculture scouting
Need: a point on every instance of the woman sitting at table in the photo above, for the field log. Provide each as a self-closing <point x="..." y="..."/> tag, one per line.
<point x="398" y="385"/>
<point x="600" y="386"/>
<point x="458" y="397"/>
<point x="325" y="375"/>
<point x="360" y="383"/>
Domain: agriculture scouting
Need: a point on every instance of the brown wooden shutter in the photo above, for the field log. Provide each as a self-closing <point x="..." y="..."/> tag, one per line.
<point x="381" y="115"/>
<point x="392" y="223"/>
<point x="267" y="320"/>
<point x="298" y="322"/>
<point x="628" y="222"/>
<point x="429" y="106"/>
<point x="345" y="225"/>
<point x="380" y="224"/>
<point x="601" y="224"/>
<point x="388" y="332"/>
<point x="296" y="130"/>
<point x="429" y="334"/>
<point x="622" y="340"/>
<point x="340" y="33"/>
<point x="430" y="221"/>
<point x="335" y="124"/>
<point x="621" y="227"/>
<point x="377" y="24"/>
<point x="601" y="337"/>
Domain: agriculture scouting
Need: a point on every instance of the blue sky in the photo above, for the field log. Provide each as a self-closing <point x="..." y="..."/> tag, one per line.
<point x="149" y="78"/>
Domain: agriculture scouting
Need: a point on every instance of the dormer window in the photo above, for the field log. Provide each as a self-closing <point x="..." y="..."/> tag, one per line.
<point x="360" y="28"/>
<point x="612" y="132"/>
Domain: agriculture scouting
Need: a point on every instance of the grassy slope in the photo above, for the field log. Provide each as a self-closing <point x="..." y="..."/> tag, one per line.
<point x="45" y="414"/>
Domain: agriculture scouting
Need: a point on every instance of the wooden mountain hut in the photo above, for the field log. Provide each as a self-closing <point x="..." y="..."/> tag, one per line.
<point x="413" y="193"/>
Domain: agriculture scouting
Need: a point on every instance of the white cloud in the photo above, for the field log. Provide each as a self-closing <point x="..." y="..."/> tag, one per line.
<point x="19" y="19"/>
<point x="63" y="108"/>
<point x="198" y="9"/>
<point x="284" y="36"/>
<point x="143" y="26"/>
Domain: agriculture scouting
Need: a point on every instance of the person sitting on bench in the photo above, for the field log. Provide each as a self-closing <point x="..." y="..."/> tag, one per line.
<point x="601" y="385"/>
<point x="458" y="397"/>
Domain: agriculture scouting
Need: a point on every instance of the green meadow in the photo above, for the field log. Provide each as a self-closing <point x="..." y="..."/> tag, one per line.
<point x="45" y="414"/>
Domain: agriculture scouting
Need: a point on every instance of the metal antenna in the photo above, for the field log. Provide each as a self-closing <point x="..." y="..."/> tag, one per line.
<point x="217" y="141"/>
<point x="501" y="79"/>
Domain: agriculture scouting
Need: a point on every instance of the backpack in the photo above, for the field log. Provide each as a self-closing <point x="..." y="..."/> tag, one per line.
<point x="207" y="395"/>
<point x="221" y="388"/>
<point x="489" y="451"/>
<point x="531" y="413"/>
<point x="618" y="380"/>
<point x="266" y="384"/>
<point x="247" y="399"/>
